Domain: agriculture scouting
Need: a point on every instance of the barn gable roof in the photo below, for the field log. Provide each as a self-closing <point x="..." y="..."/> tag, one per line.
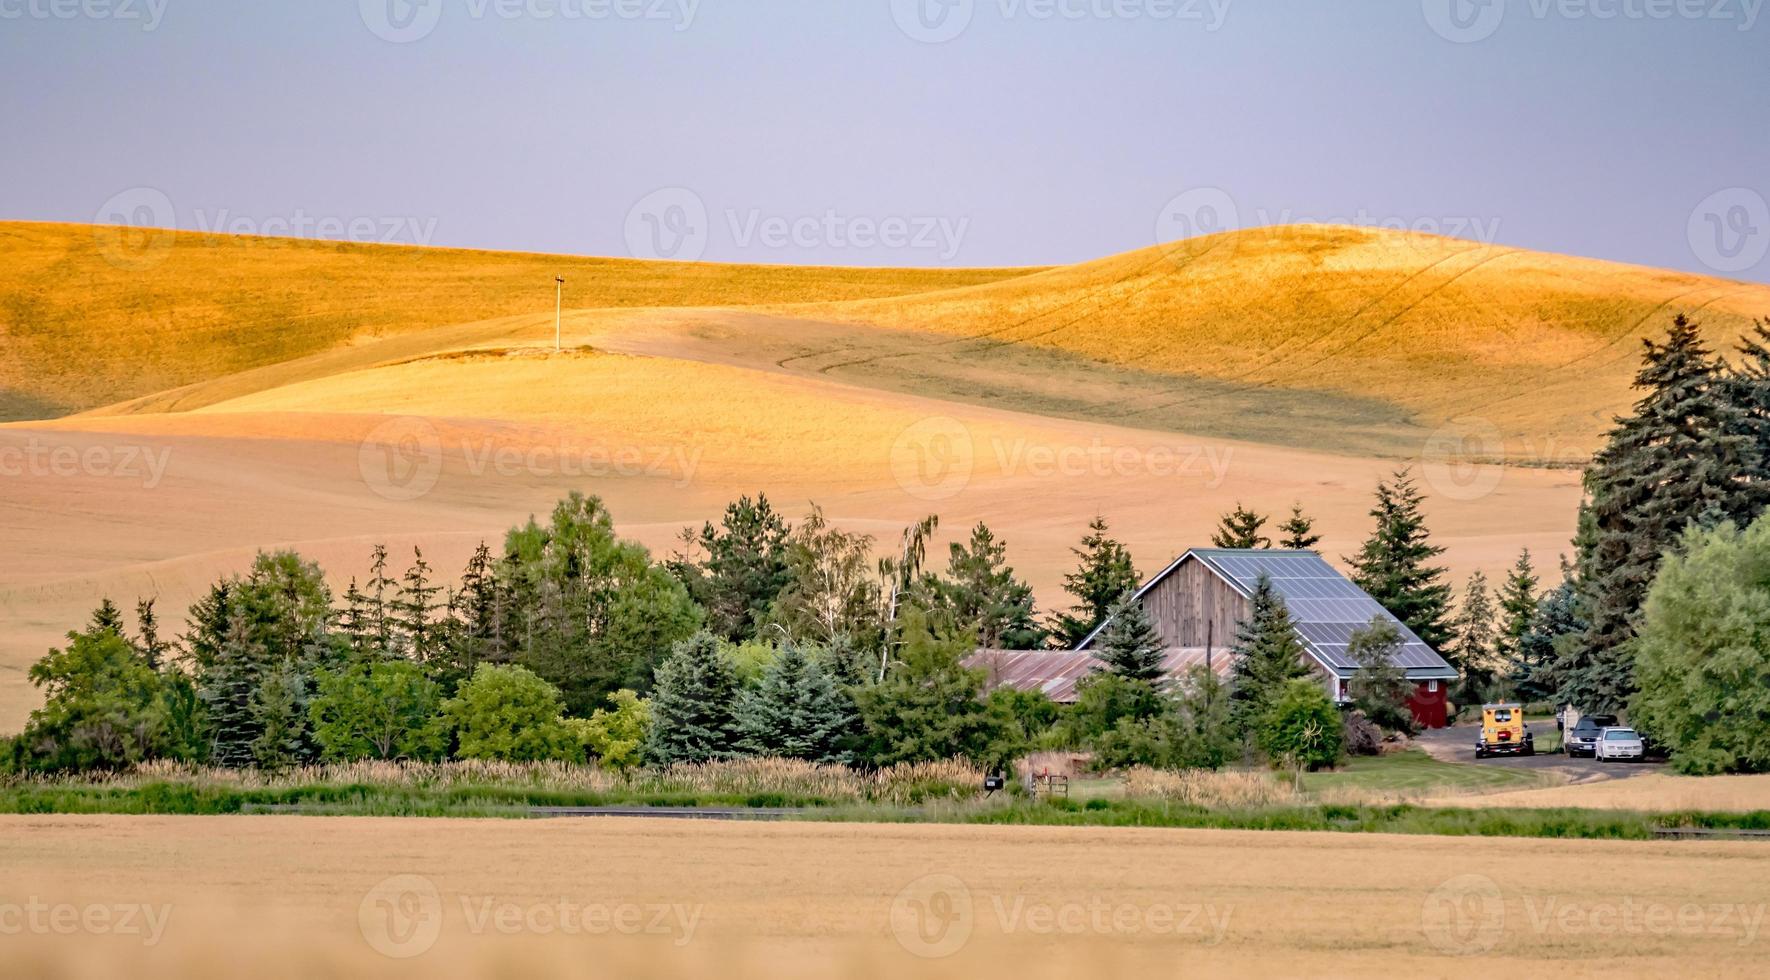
<point x="1326" y="606"/>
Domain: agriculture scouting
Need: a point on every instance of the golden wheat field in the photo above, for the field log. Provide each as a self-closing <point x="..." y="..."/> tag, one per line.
<point x="248" y="393"/>
<point x="274" y="896"/>
<point x="1652" y="792"/>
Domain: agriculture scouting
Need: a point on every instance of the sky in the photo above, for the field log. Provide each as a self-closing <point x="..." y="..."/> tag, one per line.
<point x="898" y="132"/>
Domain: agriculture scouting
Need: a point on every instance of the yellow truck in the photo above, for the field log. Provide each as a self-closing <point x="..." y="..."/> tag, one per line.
<point x="1503" y="732"/>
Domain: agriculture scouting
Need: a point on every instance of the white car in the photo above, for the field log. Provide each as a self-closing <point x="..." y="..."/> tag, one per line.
<point x="1618" y="743"/>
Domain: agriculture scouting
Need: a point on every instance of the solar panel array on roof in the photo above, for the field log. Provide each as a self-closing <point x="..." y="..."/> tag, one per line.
<point x="1326" y="606"/>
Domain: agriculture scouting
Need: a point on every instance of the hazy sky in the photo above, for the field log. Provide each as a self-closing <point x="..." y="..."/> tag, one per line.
<point x="921" y="132"/>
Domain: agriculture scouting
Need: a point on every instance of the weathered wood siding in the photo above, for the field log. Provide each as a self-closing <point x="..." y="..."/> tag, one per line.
<point x="1193" y="608"/>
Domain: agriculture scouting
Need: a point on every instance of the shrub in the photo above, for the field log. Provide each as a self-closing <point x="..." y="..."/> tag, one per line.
<point x="1302" y="730"/>
<point x="616" y="739"/>
<point x="387" y="710"/>
<point x="507" y="713"/>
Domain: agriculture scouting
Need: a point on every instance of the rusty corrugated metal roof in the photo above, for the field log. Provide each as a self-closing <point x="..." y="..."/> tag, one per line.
<point x="1056" y="672"/>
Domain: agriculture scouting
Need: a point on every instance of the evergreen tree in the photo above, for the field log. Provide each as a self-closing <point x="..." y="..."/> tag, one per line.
<point x="355" y="622"/>
<point x="480" y="608"/>
<point x="1394" y="564"/>
<point x="382" y="593"/>
<point x="745" y="569"/>
<point x="980" y="592"/>
<point x="228" y="688"/>
<point x="693" y="705"/>
<point x="1518" y="601"/>
<point x="414" y="611"/>
<point x="1299" y="531"/>
<point x="107" y="617"/>
<point x="1104" y="572"/>
<point x="797" y="712"/>
<point x="1268" y="656"/>
<point x="279" y="713"/>
<point x="1380" y="688"/>
<point x="1130" y="645"/>
<point x="1684" y="453"/>
<point x="1473" y="652"/>
<point x="1240" y="528"/>
<point x="1559" y="623"/>
<point x="154" y="650"/>
<point x="930" y="705"/>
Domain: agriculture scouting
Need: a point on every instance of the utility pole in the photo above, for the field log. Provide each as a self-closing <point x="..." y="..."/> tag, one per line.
<point x="558" y="301"/>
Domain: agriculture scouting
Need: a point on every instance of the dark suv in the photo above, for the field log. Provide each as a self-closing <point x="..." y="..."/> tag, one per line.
<point x="1582" y="738"/>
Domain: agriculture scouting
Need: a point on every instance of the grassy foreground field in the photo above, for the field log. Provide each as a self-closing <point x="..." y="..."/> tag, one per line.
<point x="337" y="897"/>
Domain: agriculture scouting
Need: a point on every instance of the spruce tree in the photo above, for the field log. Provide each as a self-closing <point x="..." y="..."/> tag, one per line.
<point x="279" y="713"/>
<point x="1518" y="601"/>
<point x="745" y="568"/>
<point x="154" y="650"/>
<point x="107" y="617"/>
<point x="1104" y="572"/>
<point x="228" y="688"/>
<point x="797" y="711"/>
<point x="355" y="622"/>
<point x="480" y="609"/>
<point x="1268" y="656"/>
<point x="1683" y="456"/>
<point x="1472" y="653"/>
<point x="981" y="593"/>
<point x="929" y="706"/>
<point x="382" y="593"/>
<point x="1240" y="528"/>
<point x="414" y="611"/>
<point x="1299" y="531"/>
<point x="1130" y="646"/>
<point x="1394" y="564"/>
<point x="693" y="705"/>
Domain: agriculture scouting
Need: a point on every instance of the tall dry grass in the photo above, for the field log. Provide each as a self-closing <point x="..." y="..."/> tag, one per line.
<point x="1202" y="787"/>
<point x="901" y="784"/>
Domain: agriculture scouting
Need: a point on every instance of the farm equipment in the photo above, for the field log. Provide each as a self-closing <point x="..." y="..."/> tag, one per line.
<point x="1503" y="732"/>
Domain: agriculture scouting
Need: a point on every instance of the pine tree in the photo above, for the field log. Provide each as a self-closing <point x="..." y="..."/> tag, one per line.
<point x="1299" y="531"/>
<point x="797" y="712"/>
<point x="745" y="568"/>
<point x="1393" y="566"/>
<point x="1518" y="600"/>
<point x="382" y="594"/>
<point x="1240" y="528"/>
<point x="154" y="650"/>
<point x="356" y="623"/>
<point x="228" y="687"/>
<point x="1472" y="654"/>
<point x="414" y="611"/>
<point x="1559" y="624"/>
<point x="1268" y="656"/>
<point x="1683" y="456"/>
<point x="1104" y="572"/>
<point x="929" y="707"/>
<point x="279" y="712"/>
<point x="480" y="608"/>
<point x="693" y="705"/>
<point x="981" y="593"/>
<point x="1130" y="646"/>
<point x="107" y="617"/>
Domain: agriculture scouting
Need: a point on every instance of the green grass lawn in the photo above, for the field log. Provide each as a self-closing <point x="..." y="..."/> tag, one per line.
<point x="1415" y="773"/>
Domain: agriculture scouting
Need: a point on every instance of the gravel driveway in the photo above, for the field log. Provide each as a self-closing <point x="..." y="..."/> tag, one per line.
<point x="1457" y="744"/>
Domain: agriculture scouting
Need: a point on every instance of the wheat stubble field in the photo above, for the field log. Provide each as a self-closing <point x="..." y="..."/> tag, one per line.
<point x="278" y="896"/>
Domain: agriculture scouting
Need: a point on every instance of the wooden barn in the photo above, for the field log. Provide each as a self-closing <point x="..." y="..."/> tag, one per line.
<point x="1200" y="601"/>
